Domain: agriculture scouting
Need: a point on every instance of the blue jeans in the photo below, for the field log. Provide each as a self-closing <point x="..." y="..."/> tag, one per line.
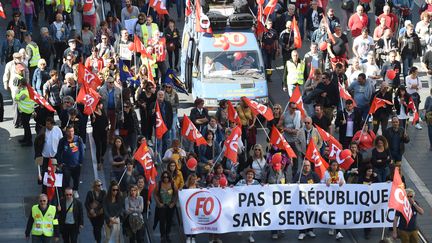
<point x="301" y="21"/>
<point x="162" y="145"/>
<point x="408" y="62"/>
<point x="29" y="22"/>
<point x="382" y="173"/>
<point x="430" y="134"/>
<point x="173" y="131"/>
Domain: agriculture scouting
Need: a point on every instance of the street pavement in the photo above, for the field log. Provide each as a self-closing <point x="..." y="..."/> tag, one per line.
<point x="18" y="177"/>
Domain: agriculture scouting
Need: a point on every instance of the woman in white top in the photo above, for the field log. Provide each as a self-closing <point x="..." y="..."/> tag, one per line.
<point x="259" y="163"/>
<point x="334" y="175"/>
<point x="423" y="29"/>
<point x="413" y="86"/>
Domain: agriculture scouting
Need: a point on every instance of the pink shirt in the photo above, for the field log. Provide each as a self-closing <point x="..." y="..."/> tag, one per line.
<point x="29" y="8"/>
<point x="15" y="3"/>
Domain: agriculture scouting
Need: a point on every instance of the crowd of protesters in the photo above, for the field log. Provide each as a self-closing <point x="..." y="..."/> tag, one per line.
<point x="378" y="63"/>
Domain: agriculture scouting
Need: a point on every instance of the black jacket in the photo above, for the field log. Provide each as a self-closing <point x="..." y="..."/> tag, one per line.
<point x="404" y="43"/>
<point x="309" y="20"/>
<point x="388" y="109"/>
<point x="77" y="213"/>
<point x="343" y="127"/>
<point x="166" y="112"/>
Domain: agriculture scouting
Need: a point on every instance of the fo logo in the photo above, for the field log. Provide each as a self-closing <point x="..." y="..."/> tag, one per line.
<point x="203" y="208"/>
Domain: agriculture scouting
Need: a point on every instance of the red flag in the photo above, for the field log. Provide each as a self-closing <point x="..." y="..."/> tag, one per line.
<point x="343" y="93"/>
<point x="313" y="155"/>
<point x="326" y="137"/>
<point x="2" y="13"/>
<point x="398" y="197"/>
<point x="150" y="72"/>
<point x="87" y="78"/>
<point x="311" y="72"/>
<point x="276" y="139"/>
<point x="297" y="36"/>
<point x="378" y="103"/>
<point x="343" y="157"/>
<point x="260" y="25"/>
<point x="161" y="128"/>
<point x="258" y="108"/>
<point x="159" y="7"/>
<point x="188" y="10"/>
<point x="231" y="145"/>
<point x="270" y="7"/>
<point x="143" y="156"/>
<point x="233" y="115"/>
<point x="191" y="133"/>
<point x="89" y="98"/>
<point x="51" y="181"/>
<point x="412" y="107"/>
<point x="36" y="97"/>
<point x="198" y="20"/>
<point x="298" y="100"/>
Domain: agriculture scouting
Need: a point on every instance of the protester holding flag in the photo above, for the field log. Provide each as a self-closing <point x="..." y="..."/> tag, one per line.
<point x="277" y="114"/>
<point x="145" y="96"/>
<point x="333" y="175"/>
<point x="199" y="114"/>
<point x="397" y="137"/>
<point x="407" y="231"/>
<point x="306" y="134"/>
<point x="119" y="155"/>
<point x="328" y="96"/>
<point x="381" y="115"/>
<point x="291" y="123"/>
<point x="247" y="119"/>
<point x="349" y="121"/>
<point x="364" y="138"/>
<point x="165" y="195"/>
<point x="362" y="91"/>
<point x="286" y="41"/>
<point x="210" y="152"/>
<point x="401" y="100"/>
<point x="352" y="174"/>
<point x="413" y="87"/>
<point x="257" y="162"/>
<point x="128" y="125"/>
<point x="310" y="91"/>
<point x="306" y="176"/>
<point x="94" y="205"/>
<point x="100" y="125"/>
<point x="319" y="119"/>
<point x="175" y="173"/>
<point x="381" y="158"/>
<point x="166" y="114"/>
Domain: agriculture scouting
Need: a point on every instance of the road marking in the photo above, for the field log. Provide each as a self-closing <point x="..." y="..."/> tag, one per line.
<point x="97" y="174"/>
<point x="419" y="184"/>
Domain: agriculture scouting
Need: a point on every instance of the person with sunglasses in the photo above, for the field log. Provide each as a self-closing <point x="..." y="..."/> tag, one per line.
<point x="94" y="205"/>
<point x="42" y="223"/>
<point x="407" y="231"/>
<point x="113" y="207"/>
<point x="165" y="195"/>
<point x="71" y="217"/>
<point x="145" y="96"/>
<point x="277" y="113"/>
<point x="129" y="125"/>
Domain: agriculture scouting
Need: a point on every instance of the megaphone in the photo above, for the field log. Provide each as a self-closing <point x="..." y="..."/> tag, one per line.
<point x="204" y="21"/>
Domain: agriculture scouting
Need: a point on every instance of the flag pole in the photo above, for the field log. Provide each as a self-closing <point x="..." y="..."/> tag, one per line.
<point x="343" y="114"/>
<point x="361" y="132"/>
<point x="383" y="229"/>
<point x="58" y="197"/>
<point x="406" y="126"/>
<point x="124" y="172"/>
<point x="301" y="168"/>
<point x="265" y="130"/>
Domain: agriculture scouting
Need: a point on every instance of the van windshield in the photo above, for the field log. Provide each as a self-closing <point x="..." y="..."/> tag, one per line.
<point x="229" y="64"/>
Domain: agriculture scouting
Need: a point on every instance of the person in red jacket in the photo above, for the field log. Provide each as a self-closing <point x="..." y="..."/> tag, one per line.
<point x="391" y="20"/>
<point x="358" y="21"/>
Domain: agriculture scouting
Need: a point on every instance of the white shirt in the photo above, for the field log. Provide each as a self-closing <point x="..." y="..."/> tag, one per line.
<point x="409" y="82"/>
<point x="52" y="138"/>
<point x="259" y="166"/>
<point x="363" y="45"/>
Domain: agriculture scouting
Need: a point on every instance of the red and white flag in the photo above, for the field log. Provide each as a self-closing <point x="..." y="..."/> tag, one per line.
<point x="143" y="156"/>
<point x="36" y="97"/>
<point x="191" y="133"/>
<point x="258" y="108"/>
<point x="198" y="20"/>
<point x="343" y="93"/>
<point x="270" y="7"/>
<point x="188" y="9"/>
<point x="297" y="36"/>
<point x="398" y="197"/>
<point x="232" y="114"/>
<point x="326" y="137"/>
<point x="378" y="103"/>
<point x="89" y="98"/>
<point x="161" y="128"/>
<point x="51" y="180"/>
<point x="412" y="107"/>
<point x="276" y="139"/>
<point x="296" y="98"/>
<point x="314" y="156"/>
<point x="159" y="7"/>
<point x="87" y="78"/>
<point x="231" y="145"/>
<point x="2" y="13"/>
<point x="343" y="157"/>
<point x="260" y="28"/>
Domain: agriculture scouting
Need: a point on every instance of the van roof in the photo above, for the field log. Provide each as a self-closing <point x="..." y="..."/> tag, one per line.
<point x="238" y="41"/>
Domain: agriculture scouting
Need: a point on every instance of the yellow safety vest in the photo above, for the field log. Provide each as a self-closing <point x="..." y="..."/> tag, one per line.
<point x="295" y="74"/>
<point x="26" y="105"/>
<point x="145" y="34"/>
<point x="33" y="62"/>
<point x="43" y="224"/>
<point x="67" y="5"/>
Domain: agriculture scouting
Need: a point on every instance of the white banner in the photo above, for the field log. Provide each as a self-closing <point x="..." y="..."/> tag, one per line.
<point x="281" y="207"/>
